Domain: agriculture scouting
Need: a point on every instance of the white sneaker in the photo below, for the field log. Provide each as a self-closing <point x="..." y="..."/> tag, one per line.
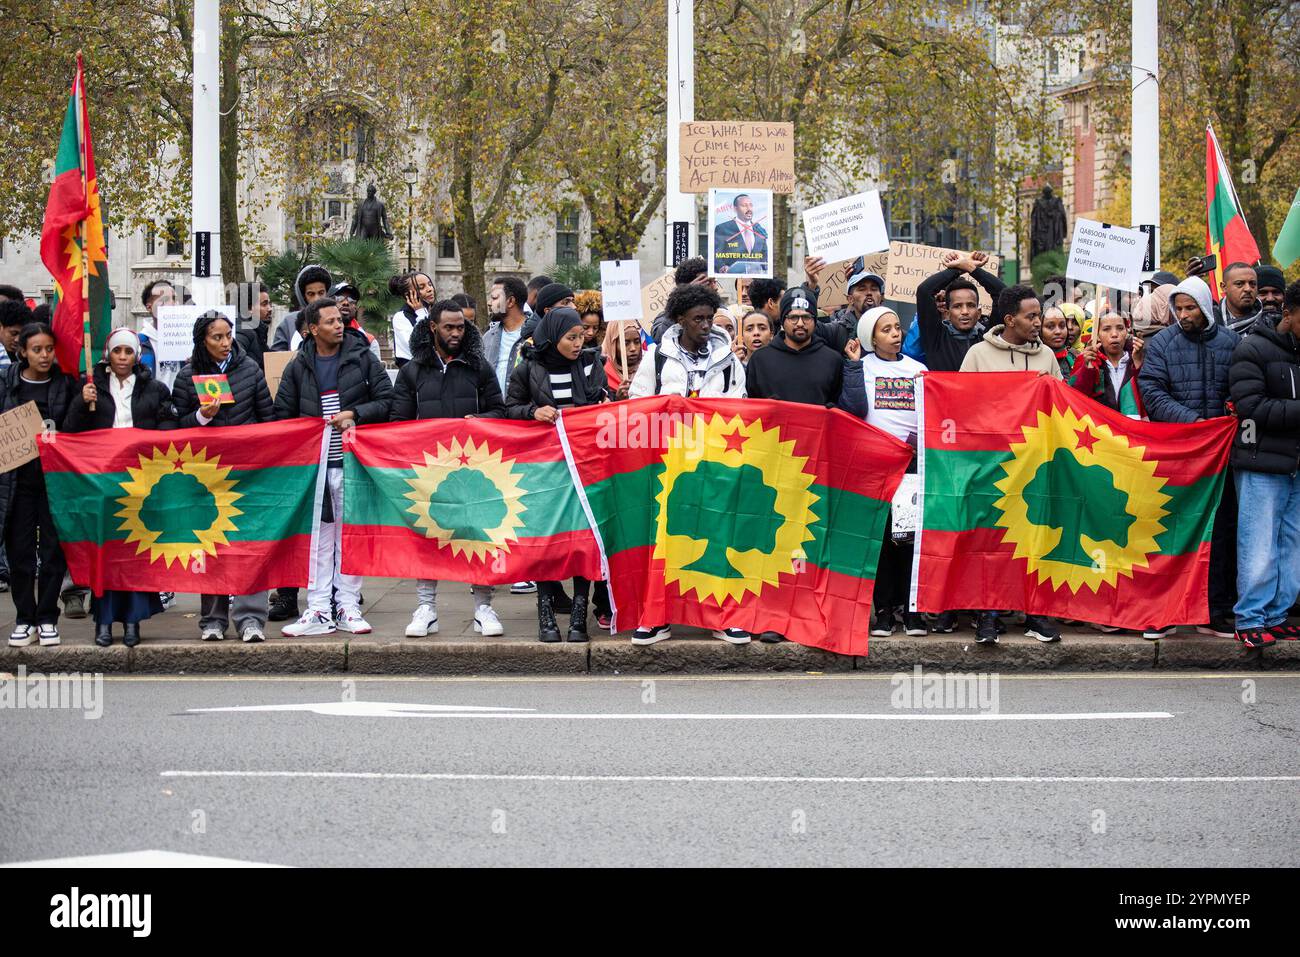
<point x="49" y="635"/>
<point x="486" y="622"/>
<point x="423" y="622"/>
<point x="733" y="636"/>
<point x="311" y="623"/>
<point x="523" y="588"/>
<point x="252" y="635"/>
<point x="351" y="620"/>
<point x="23" y="635"/>
<point x="211" y="634"/>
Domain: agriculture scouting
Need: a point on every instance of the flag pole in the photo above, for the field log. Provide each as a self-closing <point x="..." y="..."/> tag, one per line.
<point x="85" y="191"/>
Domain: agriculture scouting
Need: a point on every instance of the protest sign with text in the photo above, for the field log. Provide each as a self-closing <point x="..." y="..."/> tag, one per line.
<point x="845" y="228"/>
<point x="1106" y="255"/>
<point x="620" y="289"/>
<point x="910" y="264"/>
<point x="737" y="155"/>
<point x="739" y="242"/>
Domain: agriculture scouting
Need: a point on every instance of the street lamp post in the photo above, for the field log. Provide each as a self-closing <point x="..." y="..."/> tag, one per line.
<point x="412" y="177"/>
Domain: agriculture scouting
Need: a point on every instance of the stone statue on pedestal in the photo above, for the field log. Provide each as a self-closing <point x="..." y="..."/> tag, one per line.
<point x="1046" y="224"/>
<point x="370" y="221"/>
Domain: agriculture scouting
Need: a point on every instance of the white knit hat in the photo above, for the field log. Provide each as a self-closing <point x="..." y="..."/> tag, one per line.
<point x="867" y="325"/>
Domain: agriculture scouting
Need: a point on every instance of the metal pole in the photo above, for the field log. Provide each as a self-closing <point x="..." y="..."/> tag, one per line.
<point x="1146" y="119"/>
<point x="205" y="166"/>
<point x="679" y="207"/>
<point x="410" y="219"/>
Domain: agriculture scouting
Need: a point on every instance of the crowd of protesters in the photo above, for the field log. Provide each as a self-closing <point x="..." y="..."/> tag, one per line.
<point x="1174" y="353"/>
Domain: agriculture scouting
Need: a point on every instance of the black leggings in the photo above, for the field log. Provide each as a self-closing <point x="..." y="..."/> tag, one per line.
<point x="580" y="587"/>
<point x="893" y="574"/>
<point x="29" y="534"/>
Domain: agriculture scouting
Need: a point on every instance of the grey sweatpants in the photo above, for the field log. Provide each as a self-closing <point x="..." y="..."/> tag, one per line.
<point x="215" y="610"/>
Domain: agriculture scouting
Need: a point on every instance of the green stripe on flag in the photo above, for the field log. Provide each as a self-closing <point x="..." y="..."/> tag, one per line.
<point x="960" y="495"/>
<point x="846" y="531"/>
<point x="377" y="496"/>
<point x="275" y="503"/>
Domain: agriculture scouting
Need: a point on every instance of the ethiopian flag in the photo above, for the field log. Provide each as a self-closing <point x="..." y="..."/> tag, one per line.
<point x="484" y="501"/>
<point x="1039" y="499"/>
<point x="72" y="240"/>
<point x="737" y="513"/>
<point x="221" y="511"/>
<point x="1227" y="236"/>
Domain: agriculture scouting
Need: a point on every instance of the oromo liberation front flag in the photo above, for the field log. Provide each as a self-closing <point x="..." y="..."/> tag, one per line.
<point x="215" y="510"/>
<point x="738" y="513"/>
<point x="1227" y="236"/>
<point x="1039" y="499"/>
<point x="485" y="501"/>
<point x="72" y="239"/>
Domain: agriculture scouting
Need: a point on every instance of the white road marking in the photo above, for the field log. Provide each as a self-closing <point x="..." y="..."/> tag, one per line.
<point x="371" y="709"/>
<point x="385" y="709"/>
<point x="141" y="859"/>
<point x="735" y="779"/>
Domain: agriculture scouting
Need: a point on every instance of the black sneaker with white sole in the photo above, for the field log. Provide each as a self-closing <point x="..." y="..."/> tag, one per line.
<point x="914" y="624"/>
<point x="1219" y="627"/>
<point x="986" y="632"/>
<point x="884" y="626"/>
<point x="1156" y="632"/>
<point x="734" y="636"/>
<point x="648" y="636"/>
<point x="945" y="623"/>
<point x="1044" y="629"/>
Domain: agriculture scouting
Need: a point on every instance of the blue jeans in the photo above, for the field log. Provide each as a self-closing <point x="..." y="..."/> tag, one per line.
<point x="1268" y="548"/>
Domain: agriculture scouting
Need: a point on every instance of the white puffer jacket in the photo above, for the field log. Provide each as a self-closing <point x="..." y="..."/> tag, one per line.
<point x="723" y="378"/>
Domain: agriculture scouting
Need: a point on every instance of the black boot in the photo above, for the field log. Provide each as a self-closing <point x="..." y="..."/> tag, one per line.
<point x="561" y="602"/>
<point x="104" y="634"/>
<point x="578" y="619"/>
<point x="131" y="634"/>
<point x="548" y="629"/>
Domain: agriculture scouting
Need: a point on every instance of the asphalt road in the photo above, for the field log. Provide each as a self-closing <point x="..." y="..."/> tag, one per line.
<point x="679" y="771"/>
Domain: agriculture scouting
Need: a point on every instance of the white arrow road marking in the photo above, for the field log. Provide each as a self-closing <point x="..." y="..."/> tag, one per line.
<point x="141" y="859"/>
<point x="381" y="709"/>
<point x="733" y="779"/>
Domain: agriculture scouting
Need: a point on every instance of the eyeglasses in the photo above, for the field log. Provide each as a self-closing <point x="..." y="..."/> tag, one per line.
<point x="797" y="320"/>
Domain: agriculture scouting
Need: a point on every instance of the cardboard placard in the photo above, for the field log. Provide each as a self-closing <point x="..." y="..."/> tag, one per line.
<point x="833" y="290"/>
<point x="736" y="155"/>
<point x="1110" y="256"/>
<point x="846" y="228"/>
<point x="620" y="289"/>
<point x="654" y="298"/>
<point x="20" y="429"/>
<point x="910" y="264"/>
<point x="739" y="233"/>
<point x="274" y="364"/>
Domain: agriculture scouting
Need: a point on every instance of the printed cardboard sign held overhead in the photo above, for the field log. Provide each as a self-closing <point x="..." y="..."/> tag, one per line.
<point x="910" y="264"/>
<point x="737" y="155"/>
<point x="833" y="282"/>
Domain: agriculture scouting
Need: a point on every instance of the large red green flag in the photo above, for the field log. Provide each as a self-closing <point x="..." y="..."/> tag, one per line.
<point x="72" y="240"/>
<point x="222" y="511"/>
<point x="485" y="501"/>
<point x="1227" y="236"/>
<point x="737" y="513"/>
<point x="1039" y="499"/>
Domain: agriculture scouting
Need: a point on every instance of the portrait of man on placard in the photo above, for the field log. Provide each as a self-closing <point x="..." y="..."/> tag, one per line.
<point x="739" y="243"/>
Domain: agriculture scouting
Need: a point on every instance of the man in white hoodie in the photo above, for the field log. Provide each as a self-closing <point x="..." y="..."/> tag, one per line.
<point x="693" y="359"/>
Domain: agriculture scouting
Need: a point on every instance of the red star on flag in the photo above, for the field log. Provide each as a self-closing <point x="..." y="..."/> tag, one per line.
<point x="735" y="441"/>
<point x="464" y="459"/>
<point x="1086" y="439"/>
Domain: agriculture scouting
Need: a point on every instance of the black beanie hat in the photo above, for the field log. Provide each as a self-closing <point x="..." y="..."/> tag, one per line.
<point x="798" y="298"/>
<point x="550" y="295"/>
<point x="1270" y="277"/>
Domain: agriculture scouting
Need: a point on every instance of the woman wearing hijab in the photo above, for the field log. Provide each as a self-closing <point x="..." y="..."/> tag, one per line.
<point x="622" y="352"/>
<point x="216" y="351"/>
<point x="556" y="373"/>
<point x="125" y="395"/>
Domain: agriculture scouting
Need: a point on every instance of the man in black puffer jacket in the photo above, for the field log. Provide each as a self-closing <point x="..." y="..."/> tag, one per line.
<point x="1264" y="381"/>
<point x="448" y="377"/>
<point x="337" y="378"/>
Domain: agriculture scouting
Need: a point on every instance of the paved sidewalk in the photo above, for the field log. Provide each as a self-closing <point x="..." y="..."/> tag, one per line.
<point x="170" y="645"/>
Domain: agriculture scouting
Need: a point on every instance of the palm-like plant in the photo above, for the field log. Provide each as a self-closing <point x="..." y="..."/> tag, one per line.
<point x="279" y="272"/>
<point x="367" y="264"/>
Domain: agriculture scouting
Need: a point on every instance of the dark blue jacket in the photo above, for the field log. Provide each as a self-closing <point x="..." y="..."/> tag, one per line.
<point x="1184" y="375"/>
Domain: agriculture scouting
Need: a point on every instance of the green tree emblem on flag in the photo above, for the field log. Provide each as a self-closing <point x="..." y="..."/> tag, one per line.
<point x="468" y="498"/>
<point x="1080" y="500"/>
<point x="729" y="508"/>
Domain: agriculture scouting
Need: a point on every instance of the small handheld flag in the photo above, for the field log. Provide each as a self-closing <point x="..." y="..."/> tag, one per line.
<point x="213" y="388"/>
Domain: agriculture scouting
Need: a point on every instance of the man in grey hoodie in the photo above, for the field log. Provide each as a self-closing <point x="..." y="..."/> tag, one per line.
<point x="312" y="283"/>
